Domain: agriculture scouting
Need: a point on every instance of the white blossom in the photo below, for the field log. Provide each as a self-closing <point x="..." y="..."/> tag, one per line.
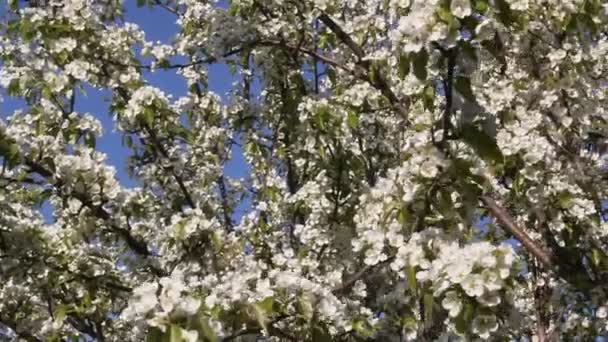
<point x="339" y="187"/>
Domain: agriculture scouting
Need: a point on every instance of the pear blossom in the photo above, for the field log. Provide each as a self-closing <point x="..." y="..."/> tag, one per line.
<point x="373" y="170"/>
<point x="461" y="8"/>
<point x="452" y="303"/>
<point x="484" y="325"/>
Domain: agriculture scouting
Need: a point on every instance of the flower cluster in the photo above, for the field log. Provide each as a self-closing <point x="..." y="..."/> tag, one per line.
<point x="479" y="272"/>
<point x="364" y="176"/>
<point x="162" y="302"/>
<point x="146" y="98"/>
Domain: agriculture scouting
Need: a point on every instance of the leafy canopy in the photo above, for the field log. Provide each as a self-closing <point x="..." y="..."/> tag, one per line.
<point x="417" y="170"/>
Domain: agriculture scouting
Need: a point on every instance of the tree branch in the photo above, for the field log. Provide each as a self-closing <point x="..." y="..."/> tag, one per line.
<point x="22" y="334"/>
<point x="311" y="53"/>
<point x="158" y="146"/>
<point x="506" y="222"/>
<point x="221" y="183"/>
<point x="346" y="285"/>
<point x="343" y="36"/>
<point x="573" y="272"/>
<point x="169" y="9"/>
<point x="377" y="80"/>
<point x="165" y="154"/>
<point x="138" y="246"/>
<point x="449" y="98"/>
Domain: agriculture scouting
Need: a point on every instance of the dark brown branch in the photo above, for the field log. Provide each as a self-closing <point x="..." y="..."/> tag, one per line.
<point x="507" y="223"/>
<point x="163" y="153"/>
<point x="342" y="36"/>
<point x="315" y="65"/>
<point x="346" y="285"/>
<point x="363" y="72"/>
<point x="21" y="334"/>
<point x="540" y="301"/>
<point x="552" y="260"/>
<point x="449" y="96"/>
<point x="208" y="60"/>
<point x="367" y="69"/>
<point x="138" y="246"/>
<point x="178" y="179"/>
<point x="169" y="9"/>
<point x="311" y="53"/>
<point x="221" y="182"/>
<point x="257" y="330"/>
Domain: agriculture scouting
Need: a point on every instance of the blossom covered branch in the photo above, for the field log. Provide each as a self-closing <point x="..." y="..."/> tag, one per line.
<point x="332" y="193"/>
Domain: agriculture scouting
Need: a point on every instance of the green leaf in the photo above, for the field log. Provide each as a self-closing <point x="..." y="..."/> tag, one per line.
<point x="363" y="328"/>
<point x="175" y="333"/>
<point x="411" y="278"/>
<point x="445" y="203"/>
<point x="90" y="140"/>
<point x="60" y="313"/>
<point x="587" y="23"/>
<point x="505" y="14"/>
<point x="564" y="200"/>
<point x="262" y="310"/>
<point x="304" y="306"/>
<point x="593" y="7"/>
<point x="389" y="210"/>
<point x="419" y="63"/>
<point x="373" y="74"/>
<point x="353" y="120"/>
<point x="127" y="141"/>
<point x="27" y="30"/>
<point x="163" y="64"/>
<point x="481" y="6"/>
<point x="495" y="48"/>
<point x="154" y="335"/>
<point x="320" y="334"/>
<point x="463" y="86"/>
<point x="266" y="305"/>
<point x="13" y="26"/>
<point x="14" y="88"/>
<point x="482" y="143"/>
<point x="469" y="51"/>
<point x="597" y="257"/>
<point x="571" y="23"/>
<point x="9" y="150"/>
<point x="232" y="68"/>
<point x="141" y="3"/>
<point x="445" y="15"/>
<point x="217" y="241"/>
<point x="463" y="321"/>
<point x="323" y="41"/>
<point x="429" y="97"/>
<point x="63" y="57"/>
<point x="409" y="322"/>
<point x="428" y="309"/>
<point x="206" y="331"/>
<point x="404" y="66"/>
<point x="147" y="116"/>
<point x="235" y="8"/>
<point x="402" y="216"/>
<point x="322" y="117"/>
<point x="13" y="155"/>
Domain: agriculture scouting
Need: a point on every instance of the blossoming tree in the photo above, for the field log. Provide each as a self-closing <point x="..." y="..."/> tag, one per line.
<point x="419" y="170"/>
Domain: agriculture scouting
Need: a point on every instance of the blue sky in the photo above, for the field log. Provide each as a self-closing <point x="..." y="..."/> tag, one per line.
<point x="159" y="25"/>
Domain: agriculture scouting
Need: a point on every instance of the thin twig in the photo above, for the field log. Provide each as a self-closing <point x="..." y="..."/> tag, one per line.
<point x="137" y="245"/>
